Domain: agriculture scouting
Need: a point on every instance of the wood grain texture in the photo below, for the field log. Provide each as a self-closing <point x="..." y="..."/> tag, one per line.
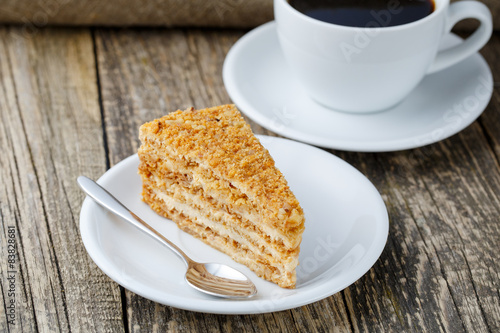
<point x="50" y="133"/>
<point x="491" y="118"/>
<point x="71" y="102"/>
<point x="439" y="270"/>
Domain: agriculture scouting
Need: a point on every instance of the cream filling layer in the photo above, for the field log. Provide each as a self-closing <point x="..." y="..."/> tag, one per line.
<point x="283" y="264"/>
<point x="217" y="187"/>
<point x="246" y="257"/>
<point x="199" y="181"/>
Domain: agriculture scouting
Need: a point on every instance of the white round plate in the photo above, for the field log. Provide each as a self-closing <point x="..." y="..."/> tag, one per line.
<point x="346" y="231"/>
<point x="259" y="82"/>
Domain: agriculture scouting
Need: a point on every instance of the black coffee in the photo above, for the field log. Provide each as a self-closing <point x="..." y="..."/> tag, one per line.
<point x="365" y="13"/>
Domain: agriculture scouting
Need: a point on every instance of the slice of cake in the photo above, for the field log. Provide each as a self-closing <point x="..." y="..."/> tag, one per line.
<point x="207" y="172"/>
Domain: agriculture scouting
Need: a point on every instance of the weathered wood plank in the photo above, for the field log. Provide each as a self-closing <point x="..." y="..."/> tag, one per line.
<point x="491" y="117"/>
<point x="439" y="271"/>
<point x="51" y="133"/>
<point x="15" y="155"/>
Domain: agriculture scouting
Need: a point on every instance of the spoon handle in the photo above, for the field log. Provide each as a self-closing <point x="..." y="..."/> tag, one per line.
<point x="108" y="201"/>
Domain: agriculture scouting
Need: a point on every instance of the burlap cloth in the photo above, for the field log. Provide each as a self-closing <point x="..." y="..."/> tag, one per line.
<point x="195" y="13"/>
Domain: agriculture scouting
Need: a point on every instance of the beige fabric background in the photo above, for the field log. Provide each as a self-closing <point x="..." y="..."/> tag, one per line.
<point x="199" y="13"/>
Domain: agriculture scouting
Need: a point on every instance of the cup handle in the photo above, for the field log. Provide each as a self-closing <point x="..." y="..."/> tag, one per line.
<point x="458" y="11"/>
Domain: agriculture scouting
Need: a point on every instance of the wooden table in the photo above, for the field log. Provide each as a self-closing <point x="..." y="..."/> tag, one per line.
<point x="71" y="102"/>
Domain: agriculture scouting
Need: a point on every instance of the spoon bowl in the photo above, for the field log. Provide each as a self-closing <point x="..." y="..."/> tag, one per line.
<point x="211" y="278"/>
<point x="217" y="280"/>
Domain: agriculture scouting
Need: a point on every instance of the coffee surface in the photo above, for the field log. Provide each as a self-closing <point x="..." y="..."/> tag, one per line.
<point x="365" y="13"/>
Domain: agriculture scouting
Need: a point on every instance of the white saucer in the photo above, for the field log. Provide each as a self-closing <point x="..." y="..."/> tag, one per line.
<point x="261" y="85"/>
<point x="346" y="230"/>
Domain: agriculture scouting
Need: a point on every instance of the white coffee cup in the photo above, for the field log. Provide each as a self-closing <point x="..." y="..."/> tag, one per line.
<point x="369" y="69"/>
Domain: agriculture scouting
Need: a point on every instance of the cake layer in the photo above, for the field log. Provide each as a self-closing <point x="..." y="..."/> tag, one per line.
<point x="195" y="224"/>
<point x="228" y="223"/>
<point x="203" y="219"/>
<point x="223" y="193"/>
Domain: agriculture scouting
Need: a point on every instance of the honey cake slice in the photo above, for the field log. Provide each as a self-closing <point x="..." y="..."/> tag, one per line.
<point x="206" y="171"/>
